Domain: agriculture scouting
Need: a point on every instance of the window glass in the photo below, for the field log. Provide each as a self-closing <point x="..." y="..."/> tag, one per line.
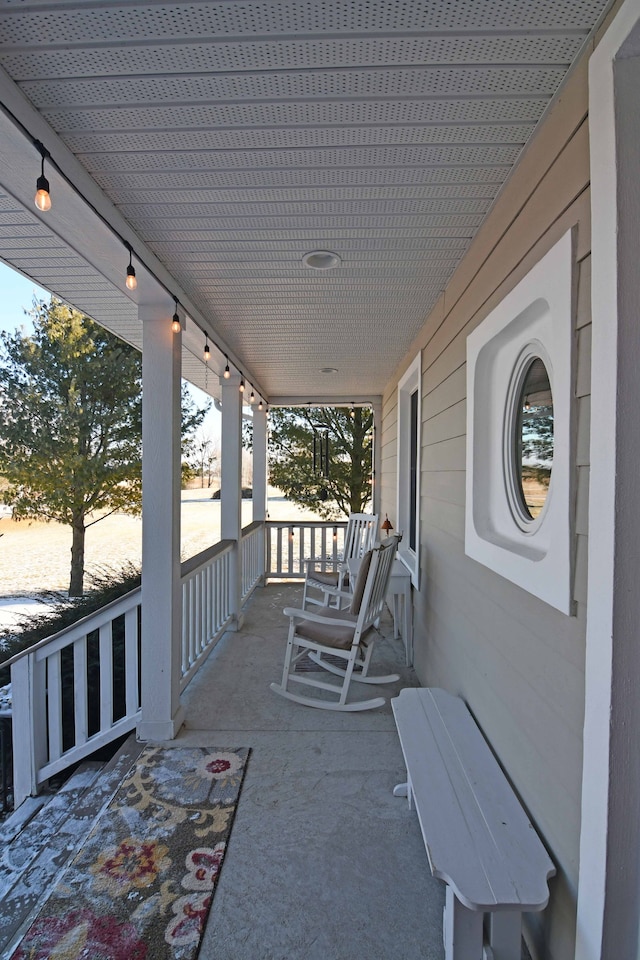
<point x="534" y="440"/>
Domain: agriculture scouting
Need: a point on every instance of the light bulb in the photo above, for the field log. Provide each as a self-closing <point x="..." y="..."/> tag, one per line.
<point x="207" y="351"/>
<point x="227" y="372"/>
<point x="176" y="326"/>
<point x="42" y="197"/>
<point x="252" y="398"/>
<point x="131" y="281"/>
<point x="242" y="385"/>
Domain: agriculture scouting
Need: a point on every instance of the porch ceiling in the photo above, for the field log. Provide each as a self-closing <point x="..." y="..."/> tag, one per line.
<point x="235" y="137"/>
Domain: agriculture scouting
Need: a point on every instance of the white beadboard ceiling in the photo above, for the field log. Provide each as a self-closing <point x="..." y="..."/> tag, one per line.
<point x="235" y="136"/>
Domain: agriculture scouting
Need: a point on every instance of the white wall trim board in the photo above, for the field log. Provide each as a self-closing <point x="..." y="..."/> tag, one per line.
<point x="409" y="383"/>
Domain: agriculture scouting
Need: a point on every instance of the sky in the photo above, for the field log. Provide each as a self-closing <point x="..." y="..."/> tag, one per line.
<point x="16" y="296"/>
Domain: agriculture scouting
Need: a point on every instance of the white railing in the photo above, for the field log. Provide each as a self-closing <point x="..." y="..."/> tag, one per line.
<point x="290" y="545"/>
<point x="79" y="690"/>
<point x="75" y="692"/>
<point x="207" y="604"/>
<point x="252" y="552"/>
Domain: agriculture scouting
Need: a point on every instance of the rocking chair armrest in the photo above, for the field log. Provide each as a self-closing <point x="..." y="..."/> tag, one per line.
<point x="330" y="566"/>
<point x="296" y="614"/>
<point x="343" y="594"/>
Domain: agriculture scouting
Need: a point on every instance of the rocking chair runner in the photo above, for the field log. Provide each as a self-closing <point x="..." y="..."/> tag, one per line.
<point x="359" y="537"/>
<point x="343" y="633"/>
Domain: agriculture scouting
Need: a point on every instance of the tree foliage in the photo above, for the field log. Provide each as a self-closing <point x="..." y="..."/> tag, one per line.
<point x="71" y="424"/>
<point x="347" y="487"/>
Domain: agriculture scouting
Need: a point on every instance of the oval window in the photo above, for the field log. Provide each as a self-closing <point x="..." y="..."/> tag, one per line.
<point x="533" y="440"/>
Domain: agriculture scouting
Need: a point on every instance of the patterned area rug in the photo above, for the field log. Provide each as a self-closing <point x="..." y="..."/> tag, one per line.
<point x="142" y="884"/>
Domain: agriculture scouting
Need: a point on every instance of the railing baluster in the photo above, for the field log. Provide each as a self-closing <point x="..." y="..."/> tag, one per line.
<point x="54" y="705"/>
<point x="80" y="700"/>
<point x="131" y="665"/>
<point x="106" y="676"/>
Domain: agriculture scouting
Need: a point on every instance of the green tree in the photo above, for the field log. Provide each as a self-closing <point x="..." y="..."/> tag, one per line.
<point x="71" y="424"/>
<point x="347" y="487"/>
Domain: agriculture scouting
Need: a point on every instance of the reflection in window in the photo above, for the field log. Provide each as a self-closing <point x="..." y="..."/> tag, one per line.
<point x="534" y="439"/>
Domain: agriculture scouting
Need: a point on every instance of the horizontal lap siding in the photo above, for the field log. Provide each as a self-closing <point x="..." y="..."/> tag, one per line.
<point x="517" y="662"/>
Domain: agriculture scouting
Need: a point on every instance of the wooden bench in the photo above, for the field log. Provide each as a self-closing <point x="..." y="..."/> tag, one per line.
<point x="478" y="838"/>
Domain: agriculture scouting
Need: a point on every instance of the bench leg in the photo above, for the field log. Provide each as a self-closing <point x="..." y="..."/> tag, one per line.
<point x="404" y="790"/>
<point x="462" y="930"/>
<point x="505" y="934"/>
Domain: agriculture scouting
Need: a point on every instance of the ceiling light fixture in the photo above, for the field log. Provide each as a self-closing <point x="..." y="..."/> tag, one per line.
<point x="42" y="198"/>
<point x="241" y="385"/>
<point x="207" y="351"/>
<point x="321" y="259"/>
<point x="227" y="372"/>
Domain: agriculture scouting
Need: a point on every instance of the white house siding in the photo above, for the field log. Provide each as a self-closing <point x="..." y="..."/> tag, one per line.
<point x="518" y="662"/>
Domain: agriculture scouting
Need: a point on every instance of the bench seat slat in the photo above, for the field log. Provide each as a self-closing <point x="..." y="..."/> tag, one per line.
<point x="478" y="838"/>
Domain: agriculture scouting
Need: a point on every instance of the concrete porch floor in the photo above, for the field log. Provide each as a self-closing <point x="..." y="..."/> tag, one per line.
<point x="324" y="863"/>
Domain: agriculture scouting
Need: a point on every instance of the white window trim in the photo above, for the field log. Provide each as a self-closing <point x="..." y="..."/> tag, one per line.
<point x="407" y="386"/>
<point x="536" y="316"/>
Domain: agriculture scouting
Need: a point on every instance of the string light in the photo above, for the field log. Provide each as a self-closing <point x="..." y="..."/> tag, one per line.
<point x="252" y="398"/>
<point x="176" y="326"/>
<point x="42" y="198"/>
<point x="131" y="281"/>
<point x="260" y="404"/>
<point x="207" y="351"/>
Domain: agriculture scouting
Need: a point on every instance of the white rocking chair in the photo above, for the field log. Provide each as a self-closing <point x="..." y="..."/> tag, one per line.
<point x="349" y="634"/>
<point x="359" y="537"/>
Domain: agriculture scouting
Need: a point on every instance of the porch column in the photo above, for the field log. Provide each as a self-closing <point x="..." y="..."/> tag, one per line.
<point x="231" y="485"/>
<point x="608" y="920"/>
<point x="162" y="715"/>
<point x="259" y="465"/>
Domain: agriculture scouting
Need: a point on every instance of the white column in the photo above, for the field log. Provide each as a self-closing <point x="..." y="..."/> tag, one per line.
<point x="162" y="715"/>
<point x="259" y="464"/>
<point x="231" y="483"/>
<point x="609" y="877"/>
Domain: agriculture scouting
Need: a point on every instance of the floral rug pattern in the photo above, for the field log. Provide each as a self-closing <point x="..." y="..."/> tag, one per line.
<point x="142" y="884"/>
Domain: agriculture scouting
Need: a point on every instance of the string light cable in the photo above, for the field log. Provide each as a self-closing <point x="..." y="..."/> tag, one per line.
<point x="43" y="203"/>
